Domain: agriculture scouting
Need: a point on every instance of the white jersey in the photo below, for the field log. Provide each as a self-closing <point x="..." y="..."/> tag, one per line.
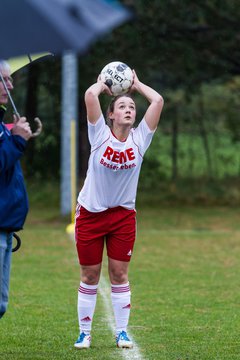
<point x="114" y="167"/>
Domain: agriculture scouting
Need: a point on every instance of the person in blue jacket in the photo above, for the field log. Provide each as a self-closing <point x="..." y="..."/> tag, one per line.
<point x="13" y="195"/>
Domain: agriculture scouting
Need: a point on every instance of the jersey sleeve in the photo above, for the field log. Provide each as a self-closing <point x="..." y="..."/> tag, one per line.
<point x="96" y="131"/>
<point x="142" y="136"/>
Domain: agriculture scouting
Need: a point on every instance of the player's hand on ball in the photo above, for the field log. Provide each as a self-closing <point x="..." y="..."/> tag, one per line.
<point x="105" y="88"/>
<point x="136" y="82"/>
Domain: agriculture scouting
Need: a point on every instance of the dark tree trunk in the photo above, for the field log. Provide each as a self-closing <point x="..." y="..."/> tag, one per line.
<point x="174" y="149"/>
<point x="203" y="134"/>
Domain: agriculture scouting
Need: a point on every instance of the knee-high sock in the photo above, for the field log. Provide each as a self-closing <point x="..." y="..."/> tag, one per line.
<point x="121" y="301"/>
<point x="87" y="297"/>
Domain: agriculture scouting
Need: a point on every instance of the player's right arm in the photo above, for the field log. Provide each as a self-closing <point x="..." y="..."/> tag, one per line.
<point x="92" y="102"/>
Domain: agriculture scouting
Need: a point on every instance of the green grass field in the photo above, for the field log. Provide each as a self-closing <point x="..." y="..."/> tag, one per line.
<point x="185" y="289"/>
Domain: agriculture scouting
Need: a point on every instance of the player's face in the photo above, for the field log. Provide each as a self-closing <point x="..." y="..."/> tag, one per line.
<point x="124" y="112"/>
<point x="8" y="81"/>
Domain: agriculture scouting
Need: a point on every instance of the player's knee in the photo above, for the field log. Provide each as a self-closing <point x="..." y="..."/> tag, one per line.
<point x="118" y="276"/>
<point x="90" y="277"/>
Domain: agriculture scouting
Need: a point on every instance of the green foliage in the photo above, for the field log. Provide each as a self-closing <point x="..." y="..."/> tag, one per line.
<point x="192" y="161"/>
<point x="185" y="50"/>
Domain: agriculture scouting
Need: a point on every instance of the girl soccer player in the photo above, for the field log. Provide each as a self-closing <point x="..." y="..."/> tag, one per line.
<point x="106" y="204"/>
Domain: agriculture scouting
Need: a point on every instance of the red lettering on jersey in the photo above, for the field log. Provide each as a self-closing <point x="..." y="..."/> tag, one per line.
<point x="109" y="151"/>
<point x="115" y="157"/>
<point x="119" y="157"/>
<point x="130" y="154"/>
<point x="123" y="157"/>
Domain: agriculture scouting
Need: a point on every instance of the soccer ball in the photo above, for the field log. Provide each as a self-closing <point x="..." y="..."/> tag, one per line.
<point x="118" y="77"/>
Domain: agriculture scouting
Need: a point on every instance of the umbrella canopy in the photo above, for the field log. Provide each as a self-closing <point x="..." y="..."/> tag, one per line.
<point x="19" y="62"/>
<point x="33" y="26"/>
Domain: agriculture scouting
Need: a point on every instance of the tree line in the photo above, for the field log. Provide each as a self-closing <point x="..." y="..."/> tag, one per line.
<point x="188" y="51"/>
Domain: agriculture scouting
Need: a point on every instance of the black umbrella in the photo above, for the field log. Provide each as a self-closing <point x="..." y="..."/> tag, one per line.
<point x="18" y="63"/>
<point x="32" y="26"/>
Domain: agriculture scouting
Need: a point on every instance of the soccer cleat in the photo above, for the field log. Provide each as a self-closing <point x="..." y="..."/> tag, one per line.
<point x="123" y="341"/>
<point x="83" y="342"/>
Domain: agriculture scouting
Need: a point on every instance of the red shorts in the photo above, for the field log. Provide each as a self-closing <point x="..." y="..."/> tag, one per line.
<point x="117" y="226"/>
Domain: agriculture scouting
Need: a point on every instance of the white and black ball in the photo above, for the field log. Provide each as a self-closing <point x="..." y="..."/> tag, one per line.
<point x="118" y="77"/>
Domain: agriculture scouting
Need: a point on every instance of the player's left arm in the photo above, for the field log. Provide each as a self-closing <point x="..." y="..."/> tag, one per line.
<point x="153" y="113"/>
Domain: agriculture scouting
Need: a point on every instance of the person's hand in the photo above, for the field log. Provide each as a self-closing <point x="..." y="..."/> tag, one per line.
<point x="136" y="82"/>
<point x="105" y="89"/>
<point x="21" y="127"/>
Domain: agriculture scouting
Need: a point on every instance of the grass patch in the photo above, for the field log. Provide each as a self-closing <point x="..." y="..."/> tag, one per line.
<point x="184" y="277"/>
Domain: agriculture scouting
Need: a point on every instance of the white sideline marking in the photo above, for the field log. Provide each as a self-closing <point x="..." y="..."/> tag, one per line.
<point x="127" y="354"/>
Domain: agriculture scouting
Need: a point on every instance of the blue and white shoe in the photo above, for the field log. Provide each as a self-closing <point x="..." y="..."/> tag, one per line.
<point x="123" y="340"/>
<point x="83" y="341"/>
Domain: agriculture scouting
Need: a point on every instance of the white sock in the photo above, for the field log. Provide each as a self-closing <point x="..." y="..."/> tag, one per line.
<point x="121" y="301"/>
<point x="87" y="297"/>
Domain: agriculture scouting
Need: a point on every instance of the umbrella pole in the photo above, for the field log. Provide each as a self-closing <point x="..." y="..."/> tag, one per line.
<point x="9" y="96"/>
<point x="37" y="120"/>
